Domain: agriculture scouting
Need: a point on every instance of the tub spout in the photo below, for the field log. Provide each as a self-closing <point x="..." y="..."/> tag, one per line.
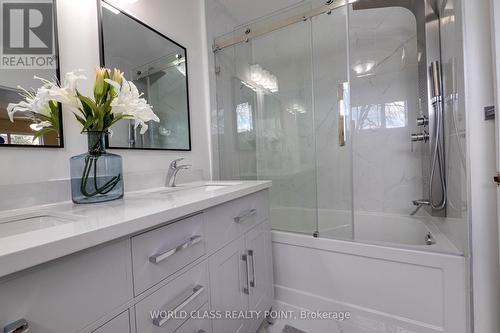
<point x="429" y="240"/>
<point x="419" y="204"/>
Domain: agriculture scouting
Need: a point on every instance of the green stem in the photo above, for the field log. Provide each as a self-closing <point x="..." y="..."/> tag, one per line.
<point x="91" y="162"/>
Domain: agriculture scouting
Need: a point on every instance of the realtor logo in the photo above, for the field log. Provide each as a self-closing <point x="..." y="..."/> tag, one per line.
<point x="27" y="34"/>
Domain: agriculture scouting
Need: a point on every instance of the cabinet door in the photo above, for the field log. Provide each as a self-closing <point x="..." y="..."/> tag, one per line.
<point x="229" y="286"/>
<point x="260" y="267"/>
<point x="120" y="324"/>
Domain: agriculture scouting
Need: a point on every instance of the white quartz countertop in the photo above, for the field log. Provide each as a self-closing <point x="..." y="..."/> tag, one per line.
<point x="103" y="222"/>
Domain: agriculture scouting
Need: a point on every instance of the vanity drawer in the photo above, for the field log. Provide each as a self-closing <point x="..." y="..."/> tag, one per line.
<point x="186" y="293"/>
<point x="68" y="294"/>
<point x="226" y="222"/>
<point x="194" y="325"/>
<point x="119" y="324"/>
<point x="161" y="252"/>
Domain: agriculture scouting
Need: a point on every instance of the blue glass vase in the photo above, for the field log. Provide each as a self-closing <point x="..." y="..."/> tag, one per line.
<point x="96" y="176"/>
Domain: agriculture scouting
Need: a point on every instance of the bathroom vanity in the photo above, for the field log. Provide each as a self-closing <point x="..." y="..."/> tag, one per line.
<point x="114" y="267"/>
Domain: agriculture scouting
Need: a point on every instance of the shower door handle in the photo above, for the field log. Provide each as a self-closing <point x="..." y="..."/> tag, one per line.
<point x="342" y="97"/>
<point x="341" y="130"/>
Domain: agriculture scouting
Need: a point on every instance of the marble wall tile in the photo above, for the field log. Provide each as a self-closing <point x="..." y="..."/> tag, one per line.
<point x="384" y="85"/>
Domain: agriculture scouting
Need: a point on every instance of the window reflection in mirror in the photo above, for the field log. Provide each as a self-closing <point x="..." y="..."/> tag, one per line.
<point x="158" y="67"/>
<point x="246" y="101"/>
<point x="28" y="49"/>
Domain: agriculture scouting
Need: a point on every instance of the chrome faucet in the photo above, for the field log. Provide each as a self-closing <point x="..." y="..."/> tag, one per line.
<point x="173" y="169"/>
<point x="419" y="204"/>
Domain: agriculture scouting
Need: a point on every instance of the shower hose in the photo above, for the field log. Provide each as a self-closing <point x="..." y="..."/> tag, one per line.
<point x="438" y="157"/>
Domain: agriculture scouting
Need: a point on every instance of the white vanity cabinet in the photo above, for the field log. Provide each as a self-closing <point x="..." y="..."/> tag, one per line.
<point x="185" y="294"/>
<point x="217" y="259"/>
<point x="241" y="272"/>
<point x="258" y="245"/>
<point x="229" y="283"/>
<point x="69" y="293"/>
<point x="161" y="252"/>
<point x="242" y="279"/>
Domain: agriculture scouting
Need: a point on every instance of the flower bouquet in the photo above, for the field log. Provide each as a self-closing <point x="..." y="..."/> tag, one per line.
<point x="96" y="175"/>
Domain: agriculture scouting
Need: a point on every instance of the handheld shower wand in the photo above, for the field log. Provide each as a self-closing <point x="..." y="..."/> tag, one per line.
<point x="437" y="149"/>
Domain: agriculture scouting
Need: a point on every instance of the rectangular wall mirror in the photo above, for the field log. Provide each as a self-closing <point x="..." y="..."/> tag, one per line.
<point x="158" y="67"/>
<point x="28" y="48"/>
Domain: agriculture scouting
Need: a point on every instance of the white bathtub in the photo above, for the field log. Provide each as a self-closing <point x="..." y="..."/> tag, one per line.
<point x="376" y="228"/>
<point x="389" y="282"/>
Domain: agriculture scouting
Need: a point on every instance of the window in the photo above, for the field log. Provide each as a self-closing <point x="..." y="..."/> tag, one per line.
<point x="395" y="114"/>
<point x="386" y="115"/>
<point x="22" y="139"/>
<point x="244" y="119"/>
<point x="367" y="117"/>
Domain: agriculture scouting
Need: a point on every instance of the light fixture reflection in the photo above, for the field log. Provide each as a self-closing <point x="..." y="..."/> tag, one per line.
<point x="248" y="86"/>
<point x="263" y="78"/>
<point x="363" y="68"/>
<point x="295" y="109"/>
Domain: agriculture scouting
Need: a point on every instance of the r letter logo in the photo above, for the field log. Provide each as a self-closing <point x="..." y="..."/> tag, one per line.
<point x="27" y="34"/>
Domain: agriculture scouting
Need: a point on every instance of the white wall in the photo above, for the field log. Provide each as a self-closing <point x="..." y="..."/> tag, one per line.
<point x="183" y="21"/>
<point x="481" y="157"/>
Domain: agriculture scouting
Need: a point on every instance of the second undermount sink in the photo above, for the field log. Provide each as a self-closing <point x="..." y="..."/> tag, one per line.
<point x="26" y="222"/>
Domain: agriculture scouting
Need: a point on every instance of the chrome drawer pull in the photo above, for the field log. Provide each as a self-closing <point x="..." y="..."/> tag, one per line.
<point x="252" y="281"/>
<point x="160" y="321"/>
<point x="201" y="331"/>
<point x="157" y="258"/>
<point x="245" y="215"/>
<point x="19" y="326"/>
<point x="246" y="288"/>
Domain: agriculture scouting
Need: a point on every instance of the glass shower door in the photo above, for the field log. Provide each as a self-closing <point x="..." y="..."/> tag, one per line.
<point x="266" y="122"/>
<point x="332" y="125"/>
<point x="386" y="50"/>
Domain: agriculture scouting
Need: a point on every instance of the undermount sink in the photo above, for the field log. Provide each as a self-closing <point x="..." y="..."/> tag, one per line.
<point x="31" y="221"/>
<point x="208" y="187"/>
<point x="215" y="187"/>
<point x="218" y="186"/>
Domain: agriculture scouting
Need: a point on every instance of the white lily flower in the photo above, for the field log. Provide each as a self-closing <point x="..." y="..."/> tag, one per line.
<point x="65" y="93"/>
<point x="129" y="102"/>
<point x="40" y="125"/>
<point x="44" y="124"/>
<point x="124" y="96"/>
<point x="34" y="103"/>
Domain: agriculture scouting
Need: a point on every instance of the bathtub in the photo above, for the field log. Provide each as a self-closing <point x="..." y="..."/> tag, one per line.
<point x="375" y="228"/>
<point x="389" y="279"/>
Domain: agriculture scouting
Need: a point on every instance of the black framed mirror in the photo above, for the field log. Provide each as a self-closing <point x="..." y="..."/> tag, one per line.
<point x="29" y="48"/>
<point x="157" y="65"/>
